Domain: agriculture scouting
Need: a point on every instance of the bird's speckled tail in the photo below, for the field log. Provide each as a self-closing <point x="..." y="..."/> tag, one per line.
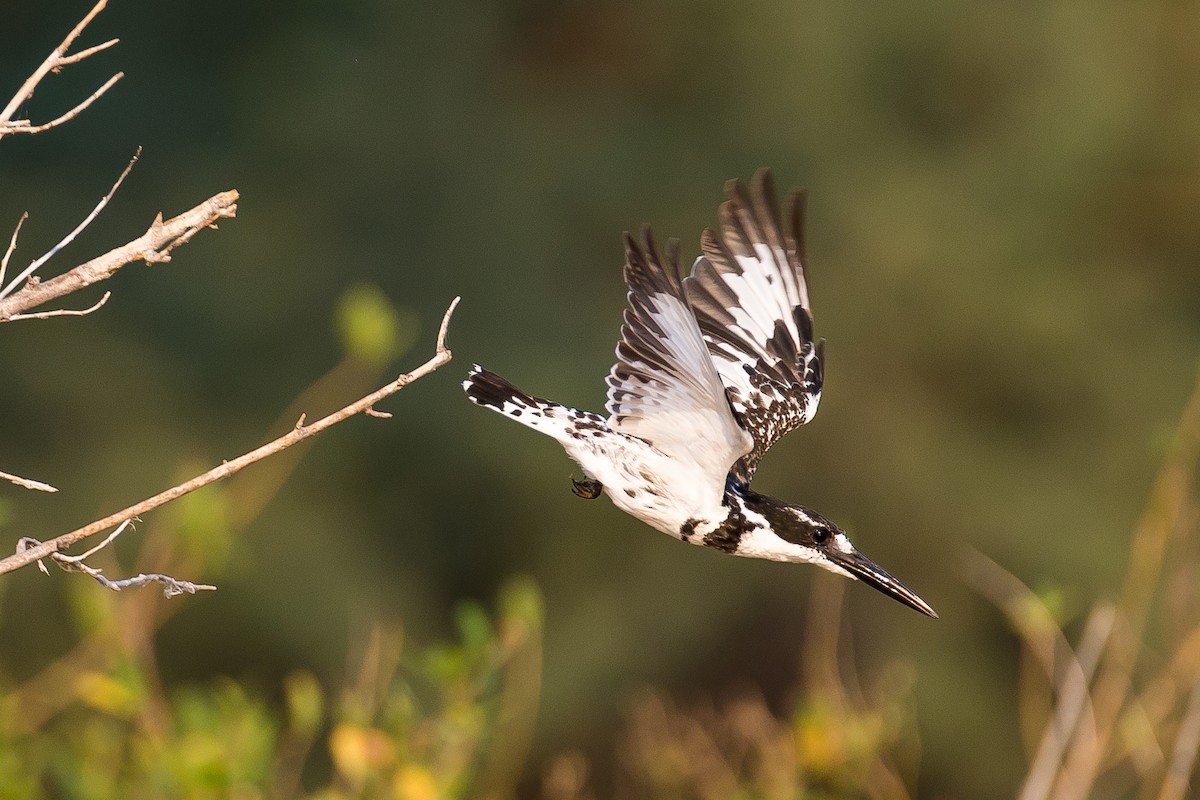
<point x="489" y="389"/>
<point x="565" y="424"/>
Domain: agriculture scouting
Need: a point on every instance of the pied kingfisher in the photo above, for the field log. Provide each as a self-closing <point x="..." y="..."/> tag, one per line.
<point x="711" y="371"/>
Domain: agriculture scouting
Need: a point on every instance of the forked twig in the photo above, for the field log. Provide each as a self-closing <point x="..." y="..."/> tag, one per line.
<point x="28" y="555"/>
<point x="23" y="125"/>
<point x="5" y="291"/>
<point x="155" y="245"/>
<point x="54" y="62"/>
<point x="171" y="586"/>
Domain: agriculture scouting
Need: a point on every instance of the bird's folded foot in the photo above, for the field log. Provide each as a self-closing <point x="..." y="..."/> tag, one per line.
<point x="587" y="488"/>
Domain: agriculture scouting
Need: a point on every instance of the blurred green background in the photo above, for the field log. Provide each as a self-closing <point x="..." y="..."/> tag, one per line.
<point x="1004" y="235"/>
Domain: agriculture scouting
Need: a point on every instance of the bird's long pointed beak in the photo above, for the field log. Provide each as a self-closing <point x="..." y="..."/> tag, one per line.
<point x="867" y="571"/>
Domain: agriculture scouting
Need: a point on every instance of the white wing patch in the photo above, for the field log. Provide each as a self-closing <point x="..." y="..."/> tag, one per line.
<point x="664" y="387"/>
<point x="677" y="411"/>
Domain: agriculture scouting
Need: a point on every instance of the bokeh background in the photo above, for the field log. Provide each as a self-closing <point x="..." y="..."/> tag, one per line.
<point x="1004" y="235"/>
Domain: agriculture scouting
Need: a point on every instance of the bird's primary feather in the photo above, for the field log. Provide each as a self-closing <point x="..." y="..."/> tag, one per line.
<point x="749" y="294"/>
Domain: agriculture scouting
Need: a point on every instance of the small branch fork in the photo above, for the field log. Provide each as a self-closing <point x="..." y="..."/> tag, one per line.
<point x="54" y="63"/>
<point x="171" y="586"/>
<point x="154" y="246"/>
<point x="29" y="550"/>
<point x="7" y="289"/>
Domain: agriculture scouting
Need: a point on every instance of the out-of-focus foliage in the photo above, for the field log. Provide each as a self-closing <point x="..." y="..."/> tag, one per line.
<point x="372" y="330"/>
<point x="1004" y="251"/>
<point x="449" y="721"/>
<point x="1119" y="713"/>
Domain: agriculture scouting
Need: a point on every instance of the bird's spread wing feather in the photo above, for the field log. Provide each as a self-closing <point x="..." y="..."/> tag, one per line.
<point x="749" y="295"/>
<point x="664" y="387"/>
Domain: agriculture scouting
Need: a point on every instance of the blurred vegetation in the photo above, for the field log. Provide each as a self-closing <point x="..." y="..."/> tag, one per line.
<point x="416" y="726"/>
<point x="1118" y="715"/>
<point x="1005" y="261"/>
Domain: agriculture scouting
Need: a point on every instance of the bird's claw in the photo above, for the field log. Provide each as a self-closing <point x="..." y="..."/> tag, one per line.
<point x="587" y="488"/>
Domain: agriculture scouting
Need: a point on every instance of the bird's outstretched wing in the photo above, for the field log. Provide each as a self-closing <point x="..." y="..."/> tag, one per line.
<point x="664" y="387"/>
<point x="750" y="298"/>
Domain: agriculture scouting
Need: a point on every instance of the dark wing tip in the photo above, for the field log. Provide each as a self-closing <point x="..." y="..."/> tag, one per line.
<point x="797" y="207"/>
<point x="631" y="245"/>
<point x="646" y="272"/>
<point x="735" y="190"/>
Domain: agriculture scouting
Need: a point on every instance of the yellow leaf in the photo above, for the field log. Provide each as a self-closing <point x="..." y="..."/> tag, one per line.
<point x="105" y="693"/>
<point x="358" y="750"/>
<point x="413" y="782"/>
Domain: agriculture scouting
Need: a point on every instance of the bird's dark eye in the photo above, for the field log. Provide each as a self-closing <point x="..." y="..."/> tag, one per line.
<point x="820" y="535"/>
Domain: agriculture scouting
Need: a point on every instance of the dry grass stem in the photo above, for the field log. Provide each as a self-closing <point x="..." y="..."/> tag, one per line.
<point x="1073" y="707"/>
<point x="1187" y="743"/>
<point x="1117" y="725"/>
<point x="27" y="556"/>
<point x="1026" y="613"/>
<point x="1147" y="553"/>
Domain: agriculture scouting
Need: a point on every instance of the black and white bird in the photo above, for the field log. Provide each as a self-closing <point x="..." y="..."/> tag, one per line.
<point x="711" y="371"/>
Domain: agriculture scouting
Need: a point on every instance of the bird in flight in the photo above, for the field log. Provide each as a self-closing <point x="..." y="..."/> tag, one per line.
<point x="712" y="370"/>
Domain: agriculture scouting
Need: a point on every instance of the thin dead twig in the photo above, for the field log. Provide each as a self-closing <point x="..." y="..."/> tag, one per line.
<point x="5" y="291"/>
<point x="153" y="246"/>
<point x="63" y="312"/>
<point x="12" y="245"/>
<point x="172" y="587"/>
<point x="24" y="126"/>
<point x="27" y="483"/>
<point x="54" y="62"/>
<point x="301" y="431"/>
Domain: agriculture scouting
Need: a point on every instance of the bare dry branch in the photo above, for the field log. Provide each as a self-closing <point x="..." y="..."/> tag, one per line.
<point x="63" y="312"/>
<point x="27" y="483"/>
<point x="153" y="246"/>
<point x="82" y="54"/>
<point x="29" y="555"/>
<point x="5" y="291"/>
<point x="69" y="559"/>
<point x="54" y="62"/>
<point x="172" y="587"/>
<point x="25" y="126"/>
